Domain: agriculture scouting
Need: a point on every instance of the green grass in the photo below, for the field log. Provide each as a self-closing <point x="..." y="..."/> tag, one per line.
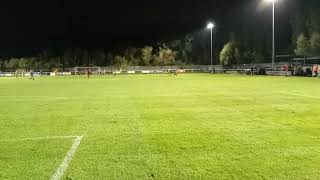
<point x="162" y="127"/>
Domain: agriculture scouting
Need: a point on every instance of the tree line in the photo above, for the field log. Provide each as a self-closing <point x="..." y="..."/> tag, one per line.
<point x="177" y="52"/>
<point x="162" y="55"/>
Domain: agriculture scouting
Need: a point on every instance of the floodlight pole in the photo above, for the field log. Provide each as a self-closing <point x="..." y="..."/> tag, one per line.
<point x="273" y="34"/>
<point x="211" y="49"/>
<point x="211" y="26"/>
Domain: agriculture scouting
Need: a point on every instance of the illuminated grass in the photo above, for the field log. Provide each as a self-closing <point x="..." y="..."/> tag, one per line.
<point x="163" y="127"/>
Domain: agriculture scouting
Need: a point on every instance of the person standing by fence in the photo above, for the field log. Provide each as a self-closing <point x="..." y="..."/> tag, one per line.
<point x="89" y="73"/>
<point x="31" y="75"/>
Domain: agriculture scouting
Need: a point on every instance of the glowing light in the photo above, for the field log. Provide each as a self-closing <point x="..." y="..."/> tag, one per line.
<point x="210" y="26"/>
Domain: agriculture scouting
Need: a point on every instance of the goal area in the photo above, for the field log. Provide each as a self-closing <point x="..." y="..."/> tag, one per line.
<point x="85" y="70"/>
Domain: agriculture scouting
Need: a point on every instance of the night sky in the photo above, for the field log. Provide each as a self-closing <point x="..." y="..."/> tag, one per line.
<point x="30" y="24"/>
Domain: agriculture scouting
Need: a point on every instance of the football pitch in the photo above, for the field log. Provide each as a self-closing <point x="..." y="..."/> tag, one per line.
<point x="194" y="126"/>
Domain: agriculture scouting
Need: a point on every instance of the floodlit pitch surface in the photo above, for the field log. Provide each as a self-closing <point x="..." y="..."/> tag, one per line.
<point x="160" y="126"/>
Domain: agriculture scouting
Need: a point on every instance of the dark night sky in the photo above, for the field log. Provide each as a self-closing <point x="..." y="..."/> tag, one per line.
<point x="30" y="24"/>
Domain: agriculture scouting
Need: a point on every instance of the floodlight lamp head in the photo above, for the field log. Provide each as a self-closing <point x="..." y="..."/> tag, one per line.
<point x="210" y="26"/>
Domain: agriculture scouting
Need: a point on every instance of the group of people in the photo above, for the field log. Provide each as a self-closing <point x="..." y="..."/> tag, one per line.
<point x="311" y="71"/>
<point x="22" y="74"/>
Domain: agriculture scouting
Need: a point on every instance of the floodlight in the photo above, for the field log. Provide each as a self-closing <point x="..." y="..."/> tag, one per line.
<point x="210" y="26"/>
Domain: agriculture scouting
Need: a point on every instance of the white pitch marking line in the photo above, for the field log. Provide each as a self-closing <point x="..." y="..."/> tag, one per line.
<point x="42" y="97"/>
<point x="301" y="95"/>
<point x="39" y="138"/>
<point x="65" y="164"/>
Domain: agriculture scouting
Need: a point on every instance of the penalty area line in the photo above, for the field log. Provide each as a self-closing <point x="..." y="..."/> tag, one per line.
<point x="65" y="163"/>
<point x="301" y="95"/>
<point x="39" y="138"/>
<point x="67" y="159"/>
